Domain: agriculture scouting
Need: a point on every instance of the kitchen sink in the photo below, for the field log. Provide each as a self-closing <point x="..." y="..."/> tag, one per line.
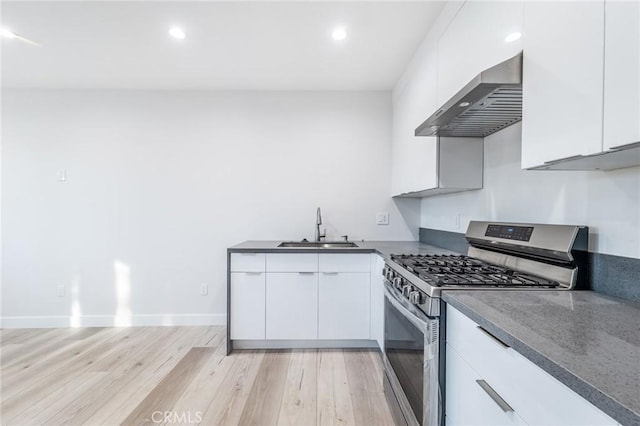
<point x="312" y="244"/>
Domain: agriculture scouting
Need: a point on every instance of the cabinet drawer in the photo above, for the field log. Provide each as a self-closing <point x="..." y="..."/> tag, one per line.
<point x="338" y="262"/>
<point x="554" y="403"/>
<point x="292" y="262"/>
<point x="473" y="345"/>
<point x="537" y="397"/>
<point x="470" y="404"/>
<point x="247" y="262"/>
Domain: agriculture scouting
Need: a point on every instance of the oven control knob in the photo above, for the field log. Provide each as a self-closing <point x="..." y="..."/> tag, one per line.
<point x="416" y="298"/>
<point x="398" y="282"/>
<point x="390" y="274"/>
<point x="407" y="290"/>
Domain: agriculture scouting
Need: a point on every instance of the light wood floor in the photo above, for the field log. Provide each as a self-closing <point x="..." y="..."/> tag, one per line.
<point x="114" y="376"/>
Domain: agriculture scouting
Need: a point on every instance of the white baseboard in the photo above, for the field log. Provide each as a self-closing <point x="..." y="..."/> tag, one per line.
<point x="112" y="321"/>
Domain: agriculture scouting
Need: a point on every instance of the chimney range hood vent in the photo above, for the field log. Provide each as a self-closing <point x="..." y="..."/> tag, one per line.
<point x="488" y="103"/>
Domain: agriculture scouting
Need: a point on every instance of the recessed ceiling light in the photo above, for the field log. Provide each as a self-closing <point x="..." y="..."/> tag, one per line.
<point x="464" y="104"/>
<point x="513" y="37"/>
<point x="339" y="34"/>
<point x="7" y="33"/>
<point x="177" y="33"/>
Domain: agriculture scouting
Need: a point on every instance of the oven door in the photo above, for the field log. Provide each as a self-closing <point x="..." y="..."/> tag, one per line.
<point x="411" y="359"/>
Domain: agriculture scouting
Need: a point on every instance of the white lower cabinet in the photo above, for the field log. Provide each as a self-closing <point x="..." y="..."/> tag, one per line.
<point x="343" y="305"/>
<point x="534" y="395"/>
<point x="292" y="306"/>
<point x="247" y="305"/>
<point x="306" y="296"/>
<point x="468" y="403"/>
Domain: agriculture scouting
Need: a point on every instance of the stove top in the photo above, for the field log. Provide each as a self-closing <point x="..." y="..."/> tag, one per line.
<point x="459" y="270"/>
<point x="501" y="256"/>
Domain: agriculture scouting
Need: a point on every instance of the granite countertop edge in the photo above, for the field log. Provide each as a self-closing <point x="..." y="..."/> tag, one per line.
<point x="588" y="391"/>
<point x="383" y="248"/>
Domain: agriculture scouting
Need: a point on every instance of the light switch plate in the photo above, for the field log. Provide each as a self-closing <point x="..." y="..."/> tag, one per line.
<point x="382" y="218"/>
<point x="204" y="289"/>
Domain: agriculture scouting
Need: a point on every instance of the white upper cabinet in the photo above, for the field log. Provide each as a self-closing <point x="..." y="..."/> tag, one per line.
<point x="562" y="80"/>
<point x="621" y="74"/>
<point x="414" y="157"/>
<point x="474" y="41"/>
<point x="581" y="85"/>
<point x="467" y="38"/>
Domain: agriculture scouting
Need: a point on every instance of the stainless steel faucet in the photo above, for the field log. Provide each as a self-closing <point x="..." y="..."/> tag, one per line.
<point x="319" y="236"/>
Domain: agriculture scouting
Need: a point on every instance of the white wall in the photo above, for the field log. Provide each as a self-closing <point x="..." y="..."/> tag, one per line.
<point x="608" y="202"/>
<point x="159" y="184"/>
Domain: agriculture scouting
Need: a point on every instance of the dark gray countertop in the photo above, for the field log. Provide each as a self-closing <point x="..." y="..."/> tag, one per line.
<point x="587" y="341"/>
<point x="384" y="248"/>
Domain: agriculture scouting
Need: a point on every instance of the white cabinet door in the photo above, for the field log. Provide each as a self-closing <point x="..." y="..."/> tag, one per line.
<point x="344" y="305"/>
<point x="621" y="73"/>
<point x="467" y="402"/>
<point x="247" y="305"/>
<point x="476" y="40"/>
<point x="563" y="79"/>
<point x="377" y="300"/>
<point x="292" y="306"/>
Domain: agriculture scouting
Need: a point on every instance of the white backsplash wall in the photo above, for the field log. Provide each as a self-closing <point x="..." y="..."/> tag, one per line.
<point x="159" y="184"/>
<point x="608" y="202"/>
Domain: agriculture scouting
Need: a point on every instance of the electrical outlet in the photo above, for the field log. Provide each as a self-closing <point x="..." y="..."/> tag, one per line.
<point x="60" y="291"/>
<point x="382" y="218"/>
<point x="62" y="175"/>
<point x="204" y="289"/>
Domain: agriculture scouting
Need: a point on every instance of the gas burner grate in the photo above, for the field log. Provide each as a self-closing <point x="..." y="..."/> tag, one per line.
<point x="460" y="270"/>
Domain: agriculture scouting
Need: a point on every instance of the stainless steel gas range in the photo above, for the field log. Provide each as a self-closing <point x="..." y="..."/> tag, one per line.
<point x="501" y="256"/>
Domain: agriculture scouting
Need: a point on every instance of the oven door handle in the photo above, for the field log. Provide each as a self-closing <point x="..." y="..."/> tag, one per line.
<point x="410" y="316"/>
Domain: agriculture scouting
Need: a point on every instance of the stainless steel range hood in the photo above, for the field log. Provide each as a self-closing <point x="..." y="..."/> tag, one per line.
<point x="488" y="103"/>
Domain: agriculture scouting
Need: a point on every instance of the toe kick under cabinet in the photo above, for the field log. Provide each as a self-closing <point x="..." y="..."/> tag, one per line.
<point x="284" y="300"/>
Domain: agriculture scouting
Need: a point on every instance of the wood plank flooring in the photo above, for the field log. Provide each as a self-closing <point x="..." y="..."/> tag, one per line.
<point x="180" y="375"/>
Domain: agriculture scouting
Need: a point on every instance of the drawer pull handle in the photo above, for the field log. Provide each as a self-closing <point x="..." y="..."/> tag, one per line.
<point x="306" y="273"/>
<point x="494" y="395"/>
<point x="254" y="273"/>
<point x="562" y="160"/>
<point x="500" y="342"/>
<point x="248" y="254"/>
<point x="330" y="273"/>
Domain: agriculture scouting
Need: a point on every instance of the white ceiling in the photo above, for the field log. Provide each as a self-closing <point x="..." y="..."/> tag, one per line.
<point x="229" y="46"/>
